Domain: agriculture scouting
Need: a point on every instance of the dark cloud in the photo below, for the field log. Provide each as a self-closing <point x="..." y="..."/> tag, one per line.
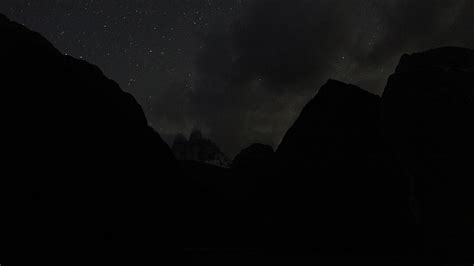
<point x="413" y="25"/>
<point x="280" y="42"/>
<point x="241" y="70"/>
<point x="253" y="77"/>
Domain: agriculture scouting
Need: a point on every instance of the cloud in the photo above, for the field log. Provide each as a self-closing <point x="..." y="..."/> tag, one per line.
<point x="254" y="77"/>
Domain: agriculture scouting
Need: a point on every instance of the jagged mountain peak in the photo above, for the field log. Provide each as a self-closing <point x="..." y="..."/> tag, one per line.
<point x="200" y="149"/>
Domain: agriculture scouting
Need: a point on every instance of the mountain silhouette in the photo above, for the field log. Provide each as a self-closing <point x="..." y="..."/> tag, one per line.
<point x="85" y="167"/>
<point x="333" y="173"/>
<point x="428" y="120"/>
<point x="355" y="174"/>
<point x="339" y="122"/>
<point x="253" y="166"/>
<point x="355" y="171"/>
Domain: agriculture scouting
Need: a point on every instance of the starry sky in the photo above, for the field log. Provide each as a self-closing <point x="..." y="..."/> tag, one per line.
<point x="241" y="70"/>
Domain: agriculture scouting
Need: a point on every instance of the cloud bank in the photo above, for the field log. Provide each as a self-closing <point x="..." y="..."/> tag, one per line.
<point x="254" y="75"/>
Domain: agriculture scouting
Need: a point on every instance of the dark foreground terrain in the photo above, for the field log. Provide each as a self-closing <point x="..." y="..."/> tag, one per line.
<point x="357" y="175"/>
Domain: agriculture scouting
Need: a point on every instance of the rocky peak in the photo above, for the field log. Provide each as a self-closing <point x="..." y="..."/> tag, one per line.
<point x="199" y="149"/>
<point x="337" y="114"/>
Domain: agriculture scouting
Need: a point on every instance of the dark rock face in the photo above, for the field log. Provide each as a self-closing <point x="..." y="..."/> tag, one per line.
<point x="199" y="149"/>
<point x="253" y="167"/>
<point x="85" y="164"/>
<point x="255" y="156"/>
<point x="334" y="173"/>
<point x="340" y="122"/>
<point x="355" y="172"/>
<point x="428" y="119"/>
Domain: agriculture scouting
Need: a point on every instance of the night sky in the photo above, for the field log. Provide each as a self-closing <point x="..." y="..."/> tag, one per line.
<point x="241" y="70"/>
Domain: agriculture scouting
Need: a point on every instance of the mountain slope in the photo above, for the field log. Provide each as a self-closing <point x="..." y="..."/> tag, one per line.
<point x="428" y="120"/>
<point x="85" y="165"/>
<point x="332" y="172"/>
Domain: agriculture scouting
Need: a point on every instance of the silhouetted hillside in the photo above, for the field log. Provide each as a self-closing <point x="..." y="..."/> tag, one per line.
<point x="85" y="165"/>
<point x="355" y="177"/>
<point x="428" y="120"/>
<point x="334" y="176"/>
<point x="355" y="174"/>
<point x="339" y="122"/>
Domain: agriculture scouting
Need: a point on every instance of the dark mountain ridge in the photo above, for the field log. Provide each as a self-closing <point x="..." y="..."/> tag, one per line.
<point x="338" y="110"/>
<point x="428" y="121"/>
<point x="331" y="166"/>
<point x="79" y="150"/>
<point x="355" y="174"/>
